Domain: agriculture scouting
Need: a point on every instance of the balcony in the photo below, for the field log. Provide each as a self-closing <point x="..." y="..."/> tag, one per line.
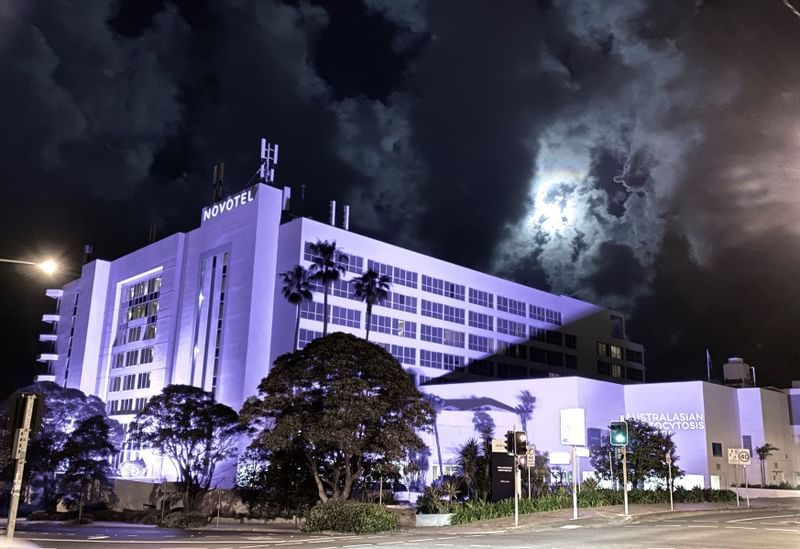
<point x="47" y="357"/>
<point x="50" y="319"/>
<point x="46" y="338"/>
<point x="54" y="293"/>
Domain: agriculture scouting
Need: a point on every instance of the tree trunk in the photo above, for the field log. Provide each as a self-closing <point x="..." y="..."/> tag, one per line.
<point x="325" y="319"/>
<point x="323" y="497"/>
<point x="763" y="474"/>
<point x="369" y="317"/>
<point x="296" y="328"/>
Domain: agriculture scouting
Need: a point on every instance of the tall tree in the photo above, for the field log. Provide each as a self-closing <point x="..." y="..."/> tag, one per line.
<point x="763" y="453"/>
<point x="647" y="455"/>
<point x="86" y="455"/>
<point x="327" y="266"/>
<point x="372" y="288"/>
<point x="195" y="432"/>
<point x="296" y="289"/>
<point x="65" y="410"/>
<point x="340" y="401"/>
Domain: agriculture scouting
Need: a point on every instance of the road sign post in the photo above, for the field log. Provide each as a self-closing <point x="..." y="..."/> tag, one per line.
<point x="739" y="457"/>
<point x="530" y="462"/>
<point x="669" y="480"/>
<point x="624" y="451"/>
<point x="21" y="438"/>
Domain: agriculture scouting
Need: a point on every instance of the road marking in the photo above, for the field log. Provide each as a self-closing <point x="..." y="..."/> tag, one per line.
<point x="480" y="545"/>
<point x="446" y="537"/>
<point x="570" y="526"/>
<point x="424" y="539"/>
<point x="700" y="526"/>
<point x="443" y="544"/>
<point x="98" y="537"/>
<point x="782" y="530"/>
<point x="741" y="527"/>
<point x="763" y="518"/>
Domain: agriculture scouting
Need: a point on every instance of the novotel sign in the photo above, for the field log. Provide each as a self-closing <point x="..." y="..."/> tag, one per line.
<point x="230" y="203"/>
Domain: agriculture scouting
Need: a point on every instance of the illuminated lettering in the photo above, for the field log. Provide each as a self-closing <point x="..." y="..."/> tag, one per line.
<point x="228" y="204"/>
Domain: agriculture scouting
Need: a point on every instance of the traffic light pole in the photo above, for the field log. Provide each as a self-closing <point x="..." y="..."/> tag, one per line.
<point x="625" y="477"/>
<point x="574" y="483"/>
<point x="20" y="451"/>
<point x="517" y="480"/>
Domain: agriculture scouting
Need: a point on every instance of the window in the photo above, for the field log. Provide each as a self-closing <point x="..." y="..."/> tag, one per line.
<point x="430" y="333"/>
<point x="143" y="381"/>
<point x="545" y="315"/>
<point x="747" y="442"/>
<point x="478" y="297"/>
<point x="129" y="382"/>
<point x="119" y="360"/>
<point x="555" y="358"/>
<point x="510" y="305"/>
<point x="146" y="355"/>
<point x="481" y="368"/>
<point x="480" y="343"/>
<point x="397" y="275"/>
<point x="617" y="327"/>
<point x="602" y="349"/>
<point x="114" y="384"/>
<point x="431" y="309"/>
<point x="510" y="327"/>
<point x="401" y="302"/>
<point x="537" y="334"/>
<point x="616" y="370"/>
<point x="381" y="324"/>
<point x="404" y="355"/>
<point x="554" y="338"/>
<point x="479" y="320"/>
<point x="633" y="356"/>
<point x="453" y="338"/>
<point x="339" y="288"/>
<point x="634" y="374"/>
<point x="716" y="449"/>
<point x="306" y="337"/>
<point x="615" y="352"/>
<point x="404" y="328"/>
<point x="345" y="317"/>
<point x="571" y="361"/>
<point x="134" y="334"/>
<point x="538" y="355"/>
<point x="132" y="358"/>
<point x="442" y="287"/>
<point x="312" y="310"/>
<point x="150" y="331"/>
<point x="140" y="404"/>
<point x="570" y="341"/>
<point x="454" y="314"/>
<point x="603" y="368"/>
<point x="442" y="361"/>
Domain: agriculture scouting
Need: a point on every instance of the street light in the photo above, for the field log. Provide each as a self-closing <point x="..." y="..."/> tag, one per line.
<point x="47" y="266"/>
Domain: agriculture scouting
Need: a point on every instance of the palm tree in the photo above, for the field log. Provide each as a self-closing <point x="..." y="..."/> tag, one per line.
<point x="469" y="460"/>
<point x="437" y="405"/>
<point x="371" y="288"/>
<point x="327" y="268"/>
<point x="296" y="290"/>
<point x="527" y="402"/>
<point x="763" y="452"/>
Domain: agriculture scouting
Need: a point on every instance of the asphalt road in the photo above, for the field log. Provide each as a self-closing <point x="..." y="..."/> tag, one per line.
<point x="762" y="529"/>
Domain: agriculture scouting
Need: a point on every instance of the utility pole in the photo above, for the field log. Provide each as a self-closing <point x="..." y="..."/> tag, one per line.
<point x="20" y="451"/>
<point x="624" y="450"/>
<point x="669" y="466"/>
<point x="517" y="480"/>
<point x="574" y="483"/>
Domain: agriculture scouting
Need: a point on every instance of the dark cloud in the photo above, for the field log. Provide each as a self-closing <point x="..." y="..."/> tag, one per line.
<point x="553" y="142"/>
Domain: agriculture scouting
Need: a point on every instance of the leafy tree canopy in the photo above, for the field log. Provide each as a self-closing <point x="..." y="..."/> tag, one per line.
<point x="188" y="426"/>
<point x="340" y="401"/>
<point x="647" y="455"/>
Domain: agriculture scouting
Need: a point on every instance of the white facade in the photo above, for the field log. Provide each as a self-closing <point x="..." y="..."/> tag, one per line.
<point x="705" y="419"/>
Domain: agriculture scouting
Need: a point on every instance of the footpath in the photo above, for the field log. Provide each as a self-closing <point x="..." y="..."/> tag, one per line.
<point x="587" y="518"/>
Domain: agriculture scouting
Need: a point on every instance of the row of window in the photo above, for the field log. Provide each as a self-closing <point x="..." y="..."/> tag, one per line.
<point x="619" y="371"/>
<point x="445" y="336"/>
<point x="442" y="287"/>
<point x="442" y="311"/>
<point x="149" y="309"/>
<point x="129" y="382"/>
<point x="126" y="406"/>
<point x="133" y="357"/>
<point x="393" y="326"/>
<point x="144" y="291"/>
<point x="395" y="274"/>
<point x="503" y="370"/>
<point x="403" y="355"/>
<point x="349" y="262"/>
<point x="127" y="335"/>
<point x="616" y="352"/>
<point x="339" y="315"/>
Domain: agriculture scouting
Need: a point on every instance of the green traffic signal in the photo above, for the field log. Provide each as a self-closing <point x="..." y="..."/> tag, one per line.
<point x="618" y="435"/>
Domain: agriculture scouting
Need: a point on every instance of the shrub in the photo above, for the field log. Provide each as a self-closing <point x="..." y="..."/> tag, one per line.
<point x="183" y="520"/>
<point x="350" y="516"/>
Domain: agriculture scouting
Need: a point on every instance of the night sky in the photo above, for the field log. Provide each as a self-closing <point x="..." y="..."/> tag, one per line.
<point x="640" y="154"/>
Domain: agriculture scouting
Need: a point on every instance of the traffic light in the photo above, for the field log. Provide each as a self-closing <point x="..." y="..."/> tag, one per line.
<point x="521" y="443"/>
<point x="510" y="443"/>
<point x="522" y="462"/>
<point x="618" y="435"/>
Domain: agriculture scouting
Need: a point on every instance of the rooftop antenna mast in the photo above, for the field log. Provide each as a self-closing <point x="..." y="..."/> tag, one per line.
<point x="269" y="159"/>
<point x="219" y="176"/>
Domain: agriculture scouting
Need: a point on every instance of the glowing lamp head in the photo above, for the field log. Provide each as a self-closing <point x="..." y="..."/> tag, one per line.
<point x="48" y="266"/>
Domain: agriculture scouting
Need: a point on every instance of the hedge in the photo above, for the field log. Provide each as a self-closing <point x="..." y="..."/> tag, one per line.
<point x="350" y="516"/>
